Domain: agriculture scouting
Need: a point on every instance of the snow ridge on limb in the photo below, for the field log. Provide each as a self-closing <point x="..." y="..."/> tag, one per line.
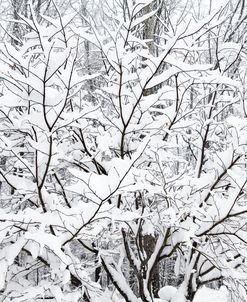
<point x="118" y="280"/>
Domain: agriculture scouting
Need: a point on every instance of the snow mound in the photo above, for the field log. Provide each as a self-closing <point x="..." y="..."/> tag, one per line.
<point x="167" y="293"/>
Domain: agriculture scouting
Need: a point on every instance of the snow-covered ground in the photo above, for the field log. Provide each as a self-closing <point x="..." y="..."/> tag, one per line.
<point x="211" y="295"/>
<point x="203" y="295"/>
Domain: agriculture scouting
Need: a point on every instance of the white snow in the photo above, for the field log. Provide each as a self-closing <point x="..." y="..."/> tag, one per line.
<point x="211" y="295"/>
<point x="167" y="292"/>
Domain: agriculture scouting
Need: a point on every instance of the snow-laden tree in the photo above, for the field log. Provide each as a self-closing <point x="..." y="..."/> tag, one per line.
<point x="190" y="146"/>
<point x="145" y="163"/>
<point x="42" y="87"/>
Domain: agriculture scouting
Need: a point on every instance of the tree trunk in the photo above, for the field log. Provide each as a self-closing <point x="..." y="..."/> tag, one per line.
<point x="150" y="240"/>
<point x="154" y="281"/>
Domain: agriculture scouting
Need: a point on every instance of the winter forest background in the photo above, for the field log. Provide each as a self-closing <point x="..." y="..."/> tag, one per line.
<point x="123" y="140"/>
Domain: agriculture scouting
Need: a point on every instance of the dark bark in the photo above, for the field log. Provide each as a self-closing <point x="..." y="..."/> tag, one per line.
<point x="154" y="281"/>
